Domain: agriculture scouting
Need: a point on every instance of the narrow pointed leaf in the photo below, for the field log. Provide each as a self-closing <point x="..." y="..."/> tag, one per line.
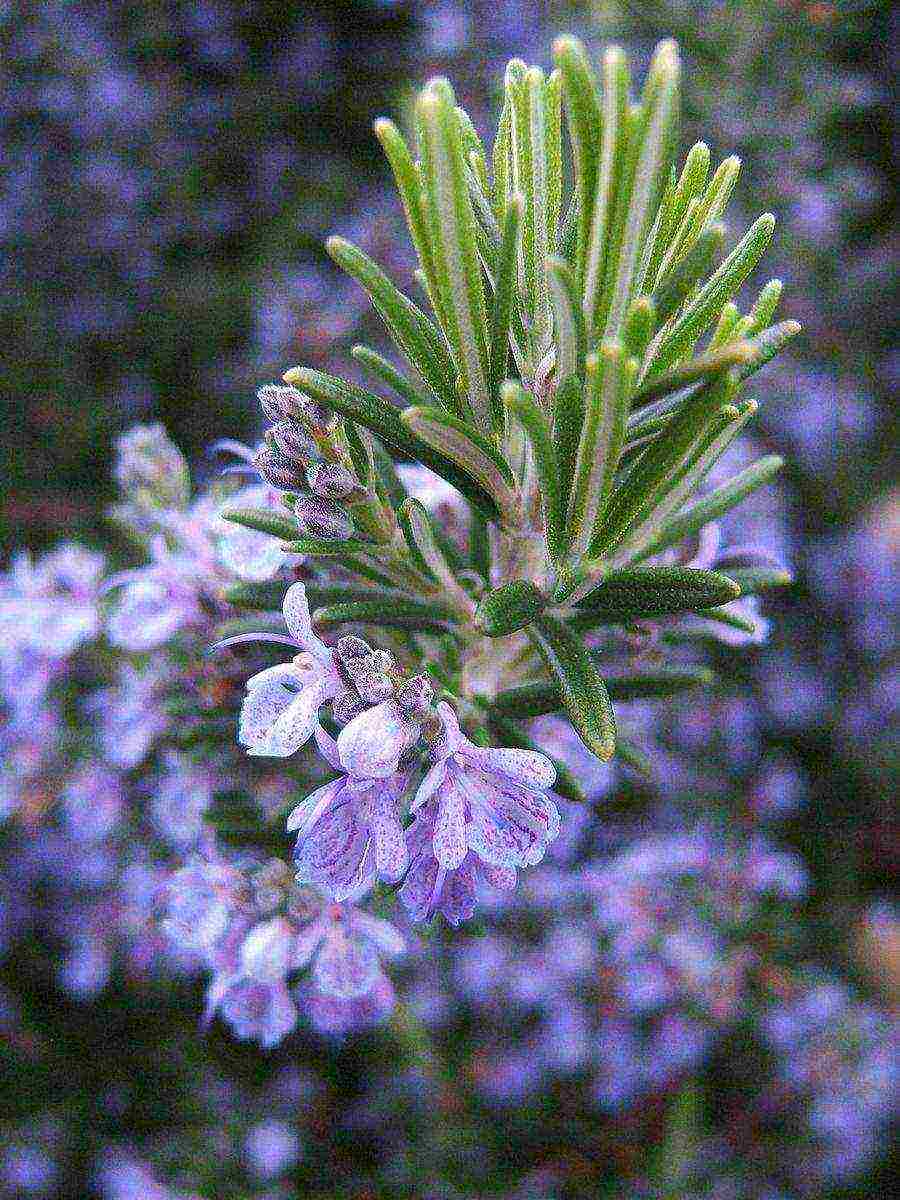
<point x="534" y="699"/>
<point x="509" y="608"/>
<point x="462" y="444"/>
<point x="703" y="309"/>
<point x="653" y="592"/>
<point x="568" y="420"/>
<point x="752" y="580"/>
<point x="265" y="595"/>
<point x="585" y="122"/>
<point x="409" y="185"/>
<point x="388" y="374"/>
<point x="767" y="344"/>
<point x="644" y="172"/>
<point x="610" y="377"/>
<point x="705" y="452"/>
<point x="323" y="548"/>
<point x="614" y="105"/>
<point x="420" y="535"/>
<point x="531" y="417"/>
<point x="715" y="503"/>
<point x="413" y="333"/>
<point x="659" y="466"/>
<point x="399" y="613"/>
<point x="763" y="310"/>
<point x="263" y="520"/>
<point x="640" y="322"/>
<point x="582" y="690"/>
<point x="571" y="343"/>
<point x="452" y="224"/>
<point x="673" y="289"/>
<point x="735" y="354"/>
<point x="504" y="300"/>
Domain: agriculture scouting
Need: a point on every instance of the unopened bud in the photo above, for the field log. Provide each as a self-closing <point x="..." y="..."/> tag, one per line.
<point x="277" y="470"/>
<point x="293" y="442"/>
<point x="371" y="675"/>
<point x="332" y="481"/>
<point x="416" y="697"/>
<point x="347" y="705"/>
<point x="280" y="403"/>
<point x="323" y="518"/>
<point x="349" y="646"/>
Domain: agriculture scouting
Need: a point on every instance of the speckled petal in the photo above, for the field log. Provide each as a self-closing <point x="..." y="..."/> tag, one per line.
<point x="450" y="826"/>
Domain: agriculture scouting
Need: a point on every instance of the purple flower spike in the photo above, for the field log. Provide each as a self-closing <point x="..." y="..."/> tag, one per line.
<point x="349" y="831"/>
<point x="281" y="709"/>
<point x="488" y="800"/>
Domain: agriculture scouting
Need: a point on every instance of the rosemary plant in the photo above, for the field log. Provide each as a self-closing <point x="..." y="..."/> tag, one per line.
<point x="575" y="372"/>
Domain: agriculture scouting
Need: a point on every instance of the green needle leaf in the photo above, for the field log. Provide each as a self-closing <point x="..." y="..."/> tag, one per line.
<point x="398" y="613"/>
<point x="610" y="378"/>
<point x="535" y="699"/>
<point x="453" y="234"/>
<point x="531" y="417"/>
<point x="464" y="445"/>
<point x="509" y="608"/>
<point x="715" y="504"/>
<point x="653" y="592"/>
<point x="585" y="121"/>
<point x="582" y="690"/>
<point x="703" y="309"/>
<point x="413" y="333"/>
<point x="263" y="520"/>
<point x="504" y="300"/>
<point x="388" y="374"/>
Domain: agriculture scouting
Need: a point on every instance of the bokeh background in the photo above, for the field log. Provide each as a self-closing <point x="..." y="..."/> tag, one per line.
<point x="170" y="171"/>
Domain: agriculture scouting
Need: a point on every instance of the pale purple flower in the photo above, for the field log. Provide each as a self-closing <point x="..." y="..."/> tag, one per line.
<point x="150" y="469"/>
<point x="281" y="708"/>
<point x="155" y="602"/>
<point x="430" y="888"/>
<point x="48" y="609"/>
<point x="181" y="796"/>
<point x="202" y="900"/>
<point x="264" y="1012"/>
<point x="246" y="553"/>
<point x="488" y="800"/>
<point x="345" y="946"/>
<point x="331" y="1015"/>
<point x="271" y="1147"/>
<point x="93" y="802"/>
<point x="349" y="831"/>
<point x="131" y="714"/>
<point x="372" y="744"/>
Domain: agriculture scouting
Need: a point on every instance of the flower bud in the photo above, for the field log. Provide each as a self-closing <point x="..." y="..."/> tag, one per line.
<point x="277" y="470"/>
<point x="374" y="675"/>
<point x="416" y="697"/>
<point x="293" y="442"/>
<point x="347" y="705"/>
<point x="322" y="518"/>
<point x="332" y="481"/>
<point x="349" y="646"/>
<point x="279" y="402"/>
